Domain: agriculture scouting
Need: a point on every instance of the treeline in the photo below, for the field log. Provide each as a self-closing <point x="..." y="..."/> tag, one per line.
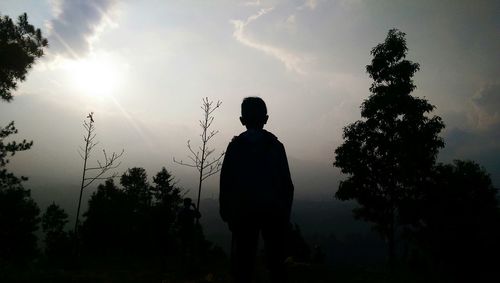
<point x="135" y="221"/>
<point x="131" y="224"/>
<point x="453" y="225"/>
<point x="126" y="220"/>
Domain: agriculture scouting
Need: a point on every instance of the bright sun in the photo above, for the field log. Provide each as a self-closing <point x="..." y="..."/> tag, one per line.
<point x="93" y="76"/>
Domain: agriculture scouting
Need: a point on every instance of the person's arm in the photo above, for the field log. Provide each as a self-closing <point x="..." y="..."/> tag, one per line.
<point x="226" y="183"/>
<point x="287" y="182"/>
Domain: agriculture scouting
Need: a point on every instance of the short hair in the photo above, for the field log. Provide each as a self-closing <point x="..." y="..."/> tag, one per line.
<point x="253" y="110"/>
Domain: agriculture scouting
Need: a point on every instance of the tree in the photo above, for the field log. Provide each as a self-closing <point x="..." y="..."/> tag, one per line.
<point x="201" y="159"/>
<point x="18" y="223"/>
<point x="164" y="210"/>
<point x="128" y="220"/>
<point x="57" y="242"/>
<point x="164" y="190"/>
<point x="459" y="220"/>
<point x="167" y="197"/>
<point x="139" y="200"/>
<point x="106" y="225"/>
<point x="100" y="171"/>
<point x="389" y="154"/>
<point x="20" y="45"/>
<point x="136" y="186"/>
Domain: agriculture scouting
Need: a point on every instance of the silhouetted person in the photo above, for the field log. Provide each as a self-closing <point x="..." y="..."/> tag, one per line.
<point x="256" y="194"/>
<point x="187" y="228"/>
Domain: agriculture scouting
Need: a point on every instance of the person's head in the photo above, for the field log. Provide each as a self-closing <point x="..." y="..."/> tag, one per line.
<point x="187" y="202"/>
<point x="253" y="113"/>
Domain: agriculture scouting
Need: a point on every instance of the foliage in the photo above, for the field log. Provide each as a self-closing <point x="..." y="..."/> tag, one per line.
<point x="18" y="222"/>
<point x="136" y="186"/>
<point x="20" y="45"/>
<point x="106" y="220"/>
<point x="164" y="190"/>
<point x="57" y="240"/>
<point x="167" y="200"/>
<point x="459" y="219"/>
<point x="136" y="219"/>
<point x="7" y="149"/>
<point x="54" y="219"/>
<point x="390" y="152"/>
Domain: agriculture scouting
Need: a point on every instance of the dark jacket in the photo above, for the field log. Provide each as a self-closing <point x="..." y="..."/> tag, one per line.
<point x="255" y="182"/>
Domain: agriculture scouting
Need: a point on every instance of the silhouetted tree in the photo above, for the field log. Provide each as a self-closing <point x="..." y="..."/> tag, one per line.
<point x="100" y="171"/>
<point x="164" y="210"/>
<point x="106" y="225"/>
<point x="390" y="152"/>
<point x="459" y="219"/>
<point x="57" y="242"/>
<point x="20" y="45"/>
<point x="139" y="199"/>
<point x="164" y="190"/>
<point x="18" y="222"/>
<point x="136" y="186"/>
<point x="136" y="219"/>
<point x="202" y="159"/>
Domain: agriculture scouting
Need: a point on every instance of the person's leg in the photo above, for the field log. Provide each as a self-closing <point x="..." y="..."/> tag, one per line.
<point x="243" y="252"/>
<point x="274" y="235"/>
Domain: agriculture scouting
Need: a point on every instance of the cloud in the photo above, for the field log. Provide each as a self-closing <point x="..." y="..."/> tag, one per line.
<point x="252" y="3"/>
<point x="478" y="139"/>
<point x="291" y="61"/>
<point x="76" y="23"/>
<point x="310" y="4"/>
<point x="486" y="106"/>
<point x="292" y="19"/>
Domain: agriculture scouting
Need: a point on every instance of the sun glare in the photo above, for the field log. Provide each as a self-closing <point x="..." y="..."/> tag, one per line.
<point x="93" y="76"/>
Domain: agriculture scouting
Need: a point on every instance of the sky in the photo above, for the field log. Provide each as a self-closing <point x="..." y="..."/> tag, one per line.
<point x="143" y="68"/>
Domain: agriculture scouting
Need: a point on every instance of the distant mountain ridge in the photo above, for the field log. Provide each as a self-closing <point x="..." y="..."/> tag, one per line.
<point x="328" y="224"/>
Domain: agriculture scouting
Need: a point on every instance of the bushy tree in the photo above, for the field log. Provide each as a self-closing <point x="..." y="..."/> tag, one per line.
<point x="164" y="189"/>
<point x="136" y="186"/>
<point x="164" y="209"/>
<point x="459" y="219"/>
<point x="18" y="222"/>
<point x="20" y="45"/>
<point x="388" y="155"/>
<point x="57" y="240"/>
<point x="105" y="228"/>
<point x="136" y="219"/>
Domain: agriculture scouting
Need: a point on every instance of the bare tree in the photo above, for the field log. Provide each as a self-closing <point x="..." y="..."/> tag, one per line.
<point x="203" y="158"/>
<point x="99" y="172"/>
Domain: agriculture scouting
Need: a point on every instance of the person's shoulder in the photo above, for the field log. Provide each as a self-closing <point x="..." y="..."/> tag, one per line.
<point x="272" y="138"/>
<point x="244" y="138"/>
<point x="235" y="140"/>
<point x="234" y="144"/>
